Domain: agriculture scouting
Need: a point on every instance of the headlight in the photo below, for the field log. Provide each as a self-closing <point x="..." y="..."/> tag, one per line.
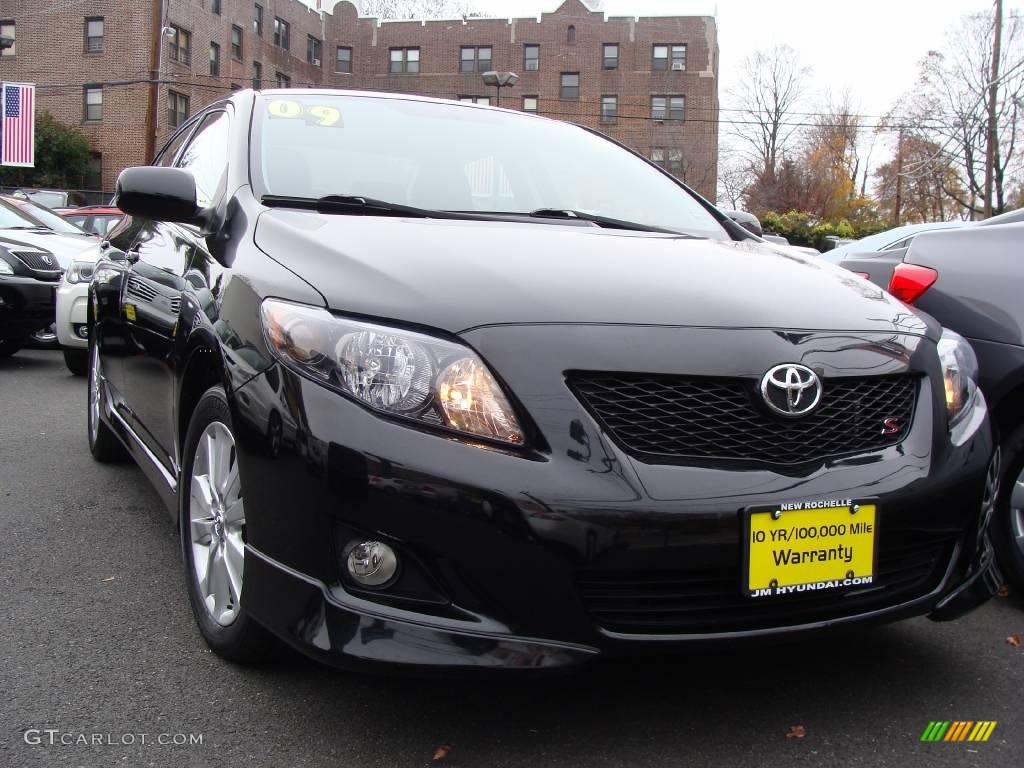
<point x="80" y="272"/>
<point x="5" y="268"/>
<point x="392" y="370"/>
<point x="959" y="372"/>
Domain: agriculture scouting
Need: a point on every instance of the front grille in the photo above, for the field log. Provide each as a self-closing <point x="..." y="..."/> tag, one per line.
<point x="667" y="418"/>
<point x="710" y="600"/>
<point x="140" y="290"/>
<point x="36" y="261"/>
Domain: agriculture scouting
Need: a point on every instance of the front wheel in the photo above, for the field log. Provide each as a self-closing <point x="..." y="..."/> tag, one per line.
<point x="77" y="361"/>
<point x="9" y="346"/>
<point x="103" y="443"/>
<point x="1008" y="522"/>
<point x="212" y="514"/>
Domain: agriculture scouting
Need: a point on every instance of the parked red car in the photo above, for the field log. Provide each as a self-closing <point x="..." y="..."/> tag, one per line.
<point x="98" y="219"/>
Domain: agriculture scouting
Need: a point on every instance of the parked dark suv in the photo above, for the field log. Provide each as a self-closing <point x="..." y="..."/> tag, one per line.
<point x="972" y="281"/>
<point x="28" y="282"/>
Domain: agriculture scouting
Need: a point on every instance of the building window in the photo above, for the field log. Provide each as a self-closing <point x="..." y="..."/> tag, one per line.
<point x="214" y="59"/>
<point x="609" y="109"/>
<point x="531" y="58"/>
<point x="236" y="43"/>
<point x="258" y="20"/>
<point x="475" y="59"/>
<point x="611" y="55"/>
<point x="282" y="33"/>
<point x="570" y="35"/>
<point x="530" y="104"/>
<point x="283" y="81"/>
<point x="181" y="45"/>
<point x="343" y="60"/>
<point x="404" y="61"/>
<point x="312" y="50"/>
<point x="7" y="30"/>
<point x="177" y="108"/>
<point x="257" y="75"/>
<point x="669" y="57"/>
<point x="236" y="87"/>
<point x="570" y="87"/>
<point x="94" y="34"/>
<point x="215" y="6"/>
<point x="669" y="159"/>
<point x="93" y="102"/>
<point x="484" y="100"/>
<point x="668" y="107"/>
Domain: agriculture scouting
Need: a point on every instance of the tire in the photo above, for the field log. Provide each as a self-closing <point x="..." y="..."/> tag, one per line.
<point x="45" y="338"/>
<point x="212" y="517"/>
<point x="1008" y="523"/>
<point x="77" y="361"/>
<point x="9" y="346"/>
<point x="103" y="443"/>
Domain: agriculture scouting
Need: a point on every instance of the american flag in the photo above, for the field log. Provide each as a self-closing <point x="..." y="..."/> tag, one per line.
<point x="18" y="128"/>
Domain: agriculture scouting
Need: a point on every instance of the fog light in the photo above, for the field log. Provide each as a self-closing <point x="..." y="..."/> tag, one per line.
<point x="372" y="563"/>
<point x="82" y="330"/>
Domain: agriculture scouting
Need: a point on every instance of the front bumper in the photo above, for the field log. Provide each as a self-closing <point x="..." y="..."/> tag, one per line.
<point x="72" y="314"/>
<point x="502" y="549"/>
<point x="26" y="306"/>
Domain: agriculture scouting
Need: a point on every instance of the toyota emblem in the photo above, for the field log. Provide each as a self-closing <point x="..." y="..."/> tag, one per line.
<point x="791" y="390"/>
<point x="47" y="260"/>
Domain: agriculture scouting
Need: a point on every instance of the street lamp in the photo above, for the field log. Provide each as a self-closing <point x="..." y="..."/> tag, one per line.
<point x="500" y="80"/>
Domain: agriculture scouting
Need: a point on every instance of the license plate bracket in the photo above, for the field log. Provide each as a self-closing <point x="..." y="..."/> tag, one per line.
<point x="803" y="547"/>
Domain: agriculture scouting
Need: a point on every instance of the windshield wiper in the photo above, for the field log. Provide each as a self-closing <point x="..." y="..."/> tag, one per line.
<point x="357" y="205"/>
<point x="601" y="221"/>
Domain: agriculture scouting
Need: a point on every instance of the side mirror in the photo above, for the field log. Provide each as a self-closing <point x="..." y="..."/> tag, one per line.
<point x="163" y="194"/>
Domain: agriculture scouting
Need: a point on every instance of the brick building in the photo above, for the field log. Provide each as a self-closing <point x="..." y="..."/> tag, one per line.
<point x="128" y="71"/>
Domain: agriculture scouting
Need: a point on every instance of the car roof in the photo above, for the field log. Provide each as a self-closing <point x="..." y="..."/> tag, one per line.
<point x="878" y="242"/>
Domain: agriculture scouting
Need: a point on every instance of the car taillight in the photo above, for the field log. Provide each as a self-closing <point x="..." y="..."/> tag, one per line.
<point x="909" y="281"/>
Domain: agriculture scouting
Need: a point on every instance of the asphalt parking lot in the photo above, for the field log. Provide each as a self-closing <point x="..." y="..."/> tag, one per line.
<point x="97" y="639"/>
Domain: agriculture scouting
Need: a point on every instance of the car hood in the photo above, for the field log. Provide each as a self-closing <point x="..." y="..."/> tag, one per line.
<point x="457" y="275"/>
<point x="65" y="247"/>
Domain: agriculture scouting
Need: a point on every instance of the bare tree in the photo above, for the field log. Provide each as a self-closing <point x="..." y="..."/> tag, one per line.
<point x="772" y="87"/>
<point x="950" y="109"/>
<point x="416" y="9"/>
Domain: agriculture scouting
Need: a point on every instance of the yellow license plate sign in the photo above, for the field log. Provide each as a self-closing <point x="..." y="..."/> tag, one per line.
<point x="807" y="546"/>
<point x="129" y="312"/>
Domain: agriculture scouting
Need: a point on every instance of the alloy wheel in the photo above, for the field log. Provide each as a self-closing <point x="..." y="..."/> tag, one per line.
<point x="1017" y="511"/>
<point x="95" y="378"/>
<point x="217" y="523"/>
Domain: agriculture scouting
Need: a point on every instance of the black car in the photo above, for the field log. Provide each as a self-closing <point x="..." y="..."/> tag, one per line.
<point x="28" y="283"/>
<point x="972" y="280"/>
<point x="451" y="386"/>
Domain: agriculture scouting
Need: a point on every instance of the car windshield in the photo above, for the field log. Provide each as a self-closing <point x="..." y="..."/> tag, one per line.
<point x="454" y="157"/>
<point x="52" y="199"/>
<point x="48" y="218"/>
<point x="12" y="218"/>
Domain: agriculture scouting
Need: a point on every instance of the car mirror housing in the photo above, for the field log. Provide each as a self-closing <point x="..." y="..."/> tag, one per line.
<point x="163" y="194"/>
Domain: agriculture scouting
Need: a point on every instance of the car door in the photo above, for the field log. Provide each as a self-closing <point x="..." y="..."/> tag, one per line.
<point x="161" y="259"/>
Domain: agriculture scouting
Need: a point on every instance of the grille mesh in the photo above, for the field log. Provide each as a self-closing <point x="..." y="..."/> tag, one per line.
<point x="666" y="418"/>
<point x="34" y="261"/>
<point x="710" y="600"/>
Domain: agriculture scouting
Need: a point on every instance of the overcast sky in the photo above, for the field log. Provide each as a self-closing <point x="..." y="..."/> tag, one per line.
<point x="870" y="47"/>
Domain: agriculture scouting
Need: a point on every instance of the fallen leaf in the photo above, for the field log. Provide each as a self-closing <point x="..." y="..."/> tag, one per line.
<point x="1014" y="640"/>
<point x="109" y="578"/>
<point x="442" y="752"/>
<point x="796" y="732"/>
<point x="1004" y="591"/>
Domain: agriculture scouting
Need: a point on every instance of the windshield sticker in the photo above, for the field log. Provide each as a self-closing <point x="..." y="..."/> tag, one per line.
<point x="312" y="114"/>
